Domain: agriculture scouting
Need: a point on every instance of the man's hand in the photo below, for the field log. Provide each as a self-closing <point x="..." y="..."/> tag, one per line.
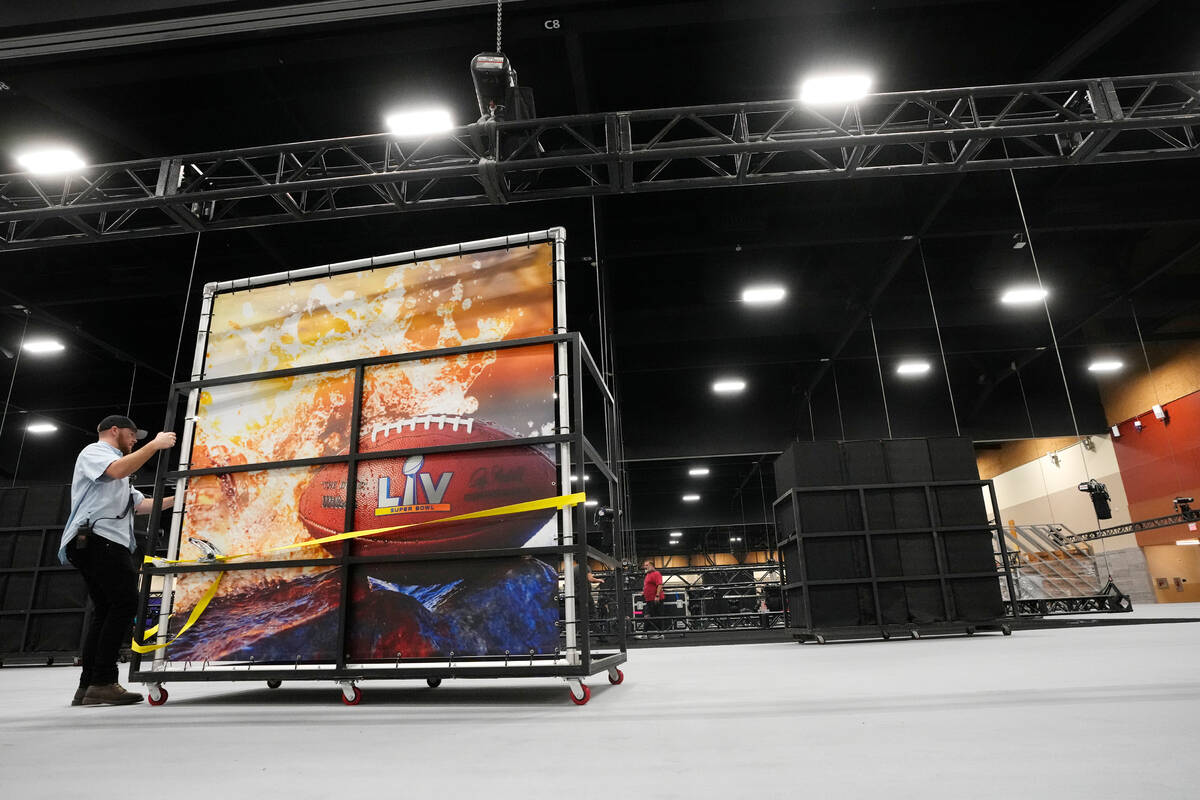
<point x="127" y="465"/>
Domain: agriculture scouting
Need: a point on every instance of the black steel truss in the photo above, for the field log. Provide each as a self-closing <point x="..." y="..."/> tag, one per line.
<point x="1110" y="600"/>
<point x="1062" y="123"/>
<point x="1168" y="521"/>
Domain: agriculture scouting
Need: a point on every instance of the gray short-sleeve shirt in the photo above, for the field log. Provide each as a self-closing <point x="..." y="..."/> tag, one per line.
<point x="99" y="499"/>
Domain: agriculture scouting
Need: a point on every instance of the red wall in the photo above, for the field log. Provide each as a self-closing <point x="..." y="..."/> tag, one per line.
<point x="1160" y="463"/>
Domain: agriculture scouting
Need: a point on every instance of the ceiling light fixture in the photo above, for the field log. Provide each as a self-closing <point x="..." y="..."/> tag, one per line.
<point x="676" y="534"/>
<point x="763" y="295"/>
<point x="1186" y="542"/>
<point x="419" y="122"/>
<point x="697" y="472"/>
<point x="1023" y="295"/>
<point x="51" y="161"/>
<point x="691" y="498"/>
<point x="43" y="346"/>
<point x="41" y="427"/>
<point x="729" y="386"/>
<point x="830" y="89"/>
<point x="591" y="502"/>
<point x="912" y="368"/>
<point x="1105" y="365"/>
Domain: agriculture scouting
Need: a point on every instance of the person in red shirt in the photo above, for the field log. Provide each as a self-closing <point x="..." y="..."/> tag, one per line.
<point x="652" y="594"/>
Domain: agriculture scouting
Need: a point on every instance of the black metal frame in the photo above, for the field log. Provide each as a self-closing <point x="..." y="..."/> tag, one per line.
<point x="1110" y="601"/>
<point x="571" y="432"/>
<point x="1060" y="123"/>
<point x="21" y="652"/>
<point x="808" y="631"/>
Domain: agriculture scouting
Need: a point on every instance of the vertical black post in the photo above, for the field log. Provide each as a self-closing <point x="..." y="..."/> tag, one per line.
<point x="582" y="617"/>
<point x="935" y="522"/>
<point x="1012" y="589"/>
<point x="160" y="485"/>
<point x="869" y="544"/>
<point x="348" y="518"/>
<point x="802" y="561"/>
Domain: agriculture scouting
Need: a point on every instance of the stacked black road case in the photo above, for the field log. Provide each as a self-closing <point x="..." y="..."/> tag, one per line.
<point x="890" y="537"/>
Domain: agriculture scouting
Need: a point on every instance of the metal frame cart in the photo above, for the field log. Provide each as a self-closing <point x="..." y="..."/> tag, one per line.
<point x="871" y="581"/>
<point x="575" y="658"/>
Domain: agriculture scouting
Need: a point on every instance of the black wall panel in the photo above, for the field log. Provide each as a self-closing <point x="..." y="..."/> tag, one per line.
<point x="856" y="570"/>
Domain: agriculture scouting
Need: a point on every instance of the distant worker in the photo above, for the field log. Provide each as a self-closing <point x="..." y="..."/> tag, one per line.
<point x="653" y="596"/>
<point x="98" y="541"/>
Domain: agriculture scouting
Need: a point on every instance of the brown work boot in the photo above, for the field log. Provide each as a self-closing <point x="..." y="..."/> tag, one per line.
<point x="112" y="694"/>
<point x="77" y="700"/>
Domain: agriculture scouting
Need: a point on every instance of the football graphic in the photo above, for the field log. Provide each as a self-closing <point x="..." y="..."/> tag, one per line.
<point x="423" y="487"/>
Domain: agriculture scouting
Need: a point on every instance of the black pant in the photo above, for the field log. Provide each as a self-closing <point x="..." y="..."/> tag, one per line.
<point x="651" y="614"/>
<point x="111" y="580"/>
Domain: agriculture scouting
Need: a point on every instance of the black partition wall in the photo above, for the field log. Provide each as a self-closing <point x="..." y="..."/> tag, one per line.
<point x="886" y="537"/>
<point x="43" y="604"/>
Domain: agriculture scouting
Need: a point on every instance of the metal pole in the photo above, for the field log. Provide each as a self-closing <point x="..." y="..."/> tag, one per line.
<point x="938" y="329"/>
<point x="879" y="365"/>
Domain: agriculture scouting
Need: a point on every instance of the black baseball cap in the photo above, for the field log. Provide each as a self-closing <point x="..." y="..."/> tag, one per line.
<point x="120" y="422"/>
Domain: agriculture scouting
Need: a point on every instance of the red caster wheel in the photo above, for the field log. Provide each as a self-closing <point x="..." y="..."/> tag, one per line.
<point x="587" y="695"/>
<point x="353" y="698"/>
<point x="616" y="677"/>
<point x="157" y="695"/>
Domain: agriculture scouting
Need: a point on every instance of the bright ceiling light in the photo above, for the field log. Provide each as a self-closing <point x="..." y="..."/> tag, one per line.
<point x="822" y="89"/>
<point x="691" y="498"/>
<point x="697" y="472"/>
<point x="41" y="427"/>
<point x="51" y="161"/>
<point x="674" y="541"/>
<point x="729" y="386"/>
<point x="1191" y="542"/>
<point x="763" y="295"/>
<point x="912" y="368"/>
<point x="676" y="534"/>
<point x="735" y="538"/>
<point x="1103" y="365"/>
<point x="1023" y="295"/>
<point x="43" y="346"/>
<point x="591" y="502"/>
<point x="421" y="122"/>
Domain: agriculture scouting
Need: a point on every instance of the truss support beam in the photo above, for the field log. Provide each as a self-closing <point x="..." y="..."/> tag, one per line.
<point x="946" y="131"/>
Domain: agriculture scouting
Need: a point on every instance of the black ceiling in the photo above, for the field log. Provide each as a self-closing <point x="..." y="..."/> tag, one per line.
<point x="674" y="263"/>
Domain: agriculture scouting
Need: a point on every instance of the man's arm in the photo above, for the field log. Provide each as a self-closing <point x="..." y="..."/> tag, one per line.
<point x="147" y="505"/>
<point x="125" y="466"/>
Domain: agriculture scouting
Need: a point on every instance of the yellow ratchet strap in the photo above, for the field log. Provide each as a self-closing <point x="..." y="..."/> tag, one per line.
<point x="559" y="502"/>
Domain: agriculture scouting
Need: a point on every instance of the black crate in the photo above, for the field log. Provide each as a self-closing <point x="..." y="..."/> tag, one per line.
<point x="884" y="536"/>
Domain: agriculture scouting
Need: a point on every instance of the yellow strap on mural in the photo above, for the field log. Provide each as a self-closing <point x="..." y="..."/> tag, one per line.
<point x="191" y="620"/>
<point x="562" y="501"/>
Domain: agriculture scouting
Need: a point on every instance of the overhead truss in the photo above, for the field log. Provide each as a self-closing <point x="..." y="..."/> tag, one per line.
<point x="1062" y="123"/>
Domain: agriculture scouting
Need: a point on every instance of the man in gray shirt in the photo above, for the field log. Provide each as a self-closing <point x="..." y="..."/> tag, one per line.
<point x="98" y="541"/>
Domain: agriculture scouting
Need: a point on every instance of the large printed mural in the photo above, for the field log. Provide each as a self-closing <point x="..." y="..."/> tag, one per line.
<point x="476" y="606"/>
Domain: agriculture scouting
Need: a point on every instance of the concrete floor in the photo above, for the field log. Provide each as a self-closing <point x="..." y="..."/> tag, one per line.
<point x="1100" y="712"/>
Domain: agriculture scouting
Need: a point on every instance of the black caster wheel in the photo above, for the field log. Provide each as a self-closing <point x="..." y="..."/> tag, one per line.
<point x="157" y="695"/>
<point x="885" y="635"/>
<point x="971" y="631"/>
<point x="1006" y="630"/>
<point x="587" y="695"/>
<point x="274" y="684"/>
<point x="433" y="682"/>
<point x="618" y="679"/>
<point x="354" y="698"/>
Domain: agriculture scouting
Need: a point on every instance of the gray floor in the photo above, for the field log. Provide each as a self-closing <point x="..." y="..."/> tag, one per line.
<point x="1087" y="713"/>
